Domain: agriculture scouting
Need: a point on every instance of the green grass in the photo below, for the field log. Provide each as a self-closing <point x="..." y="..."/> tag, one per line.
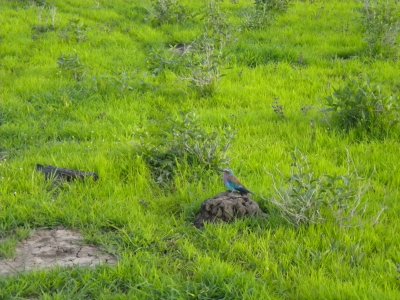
<point x="87" y="122"/>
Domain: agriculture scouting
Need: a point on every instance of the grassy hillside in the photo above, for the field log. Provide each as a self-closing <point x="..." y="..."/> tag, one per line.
<point x="94" y="85"/>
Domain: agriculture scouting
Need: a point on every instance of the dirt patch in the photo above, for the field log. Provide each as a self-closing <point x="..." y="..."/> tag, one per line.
<point x="54" y="248"/>
<point x="227" y="207"/>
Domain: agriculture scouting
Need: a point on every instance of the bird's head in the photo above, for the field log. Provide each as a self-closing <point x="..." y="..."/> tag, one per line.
<point x="227" y="171"/>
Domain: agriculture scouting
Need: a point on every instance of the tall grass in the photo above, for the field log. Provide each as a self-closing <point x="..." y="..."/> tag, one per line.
<point x="77" y="94"/>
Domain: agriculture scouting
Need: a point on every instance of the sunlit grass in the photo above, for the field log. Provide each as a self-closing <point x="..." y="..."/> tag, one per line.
<point x="89" y="122"/>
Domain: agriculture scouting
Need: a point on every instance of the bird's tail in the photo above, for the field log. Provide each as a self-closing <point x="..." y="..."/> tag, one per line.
<point x="243" y="190"/>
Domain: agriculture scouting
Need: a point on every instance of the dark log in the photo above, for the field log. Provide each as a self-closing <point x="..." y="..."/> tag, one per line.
<point x="56" y="173"/>
<point x="227" y="207"/>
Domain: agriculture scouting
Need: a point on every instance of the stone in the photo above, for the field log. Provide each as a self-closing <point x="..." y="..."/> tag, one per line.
<point x="227" y="207"/>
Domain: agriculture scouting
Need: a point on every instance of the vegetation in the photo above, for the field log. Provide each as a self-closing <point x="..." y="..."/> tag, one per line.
<point x="167" y="11"/>
<point x="382" y="27"/>
<point x="148" y="95"/>
<point x="365" y="108"/>
<point x="264" y="12"/>
<point x="172" y="144"/>
<point x="309" y="199"/>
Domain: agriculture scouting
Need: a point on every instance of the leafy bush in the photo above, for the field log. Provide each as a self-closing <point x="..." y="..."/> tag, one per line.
<point x="203" y="66"/>
<point x="364" y="107"/>
<point x="308" y="199"/>
<point x="75" y="30"/>
<point x="160" y="60"/>
<point x="198" y="62"/>
<point x="264" y="12"/>
<point x="72" y="65"/>
<point x="382" y="26"/>
<point x="40" y="2"/>
<point x="216" y="25"/>
<point x="181" y="142"/>
<point x="272" y="5"/>
<point x="167" y="11"/>
<point x="199" y="65"/>
<point x="203" y="62"/>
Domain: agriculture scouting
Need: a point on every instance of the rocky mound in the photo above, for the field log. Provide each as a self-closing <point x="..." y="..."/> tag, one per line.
<point x="227" y="207"/>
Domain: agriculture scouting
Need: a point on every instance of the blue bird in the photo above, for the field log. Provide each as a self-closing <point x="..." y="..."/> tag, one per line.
<point x="233" y="184"/>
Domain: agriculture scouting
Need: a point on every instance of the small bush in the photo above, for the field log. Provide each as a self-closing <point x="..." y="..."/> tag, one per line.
<point x="160" y="60"/>
<point x="39" y="30"/>
<point x="40" y="2"/>
<point x="199" y="66"/>
<point x="203" y="66"/>
<point x="309" y="199"/>
<point x="3" y="155"/>
<point x="203" y="62"/>
<point x="47" y="16"/>
<point x="198" y="62"/>
<point x="216" y="25"/>
<point x="75" y="30"/>
<point x="382" y="27"/>
<point x="272" y="5"/>
<point x="264" y="12"/>
<point x="71" y="65"/>
<point x="278" y="108"/>
<point x="167" y="12"/>
<point x="181" y="142"/>
<point x="364" y="107"/>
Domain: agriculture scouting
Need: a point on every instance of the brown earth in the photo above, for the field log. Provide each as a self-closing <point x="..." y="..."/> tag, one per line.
<point x="54" y="248"/>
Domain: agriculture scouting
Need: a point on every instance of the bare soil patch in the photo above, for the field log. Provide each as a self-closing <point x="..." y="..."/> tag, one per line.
<point x="54" y="248"/>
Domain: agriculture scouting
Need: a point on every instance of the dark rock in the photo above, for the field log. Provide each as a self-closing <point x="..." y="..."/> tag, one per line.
<point x="56" y="173"/>
<point x="181" y="49"/>
<point x="227" y="207"/>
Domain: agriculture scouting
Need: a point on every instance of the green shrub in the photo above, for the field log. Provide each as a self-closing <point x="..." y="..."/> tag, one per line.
<point x="364" y="107"/>
<point x="39" y="3"/>
<point x="172" y="143"/>
<point x="216" y="25"/>
<point x="382" y="27"/>
<point x="199" y="63"/>
<point x="71" y="65"/>
<point x="272" y="5"/>
<point x="264" y="12"/>
<point x="167" y="12"/>
<point x="47" y="16"/>
<point x="203" y="62"/>
<point x="75" y="30"/>
<point x="278" y="108"/>
<point x="203" y="66"/>
<point x="160" y="60"/>
<point x="310" y="199"/>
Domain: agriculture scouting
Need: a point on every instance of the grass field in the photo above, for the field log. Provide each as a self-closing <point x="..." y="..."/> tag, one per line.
<point x="80" y="81"/>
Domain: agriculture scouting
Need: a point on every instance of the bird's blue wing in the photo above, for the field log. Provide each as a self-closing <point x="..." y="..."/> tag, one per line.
<point x="234" y="184"/>
<point x="231" y="186"/>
